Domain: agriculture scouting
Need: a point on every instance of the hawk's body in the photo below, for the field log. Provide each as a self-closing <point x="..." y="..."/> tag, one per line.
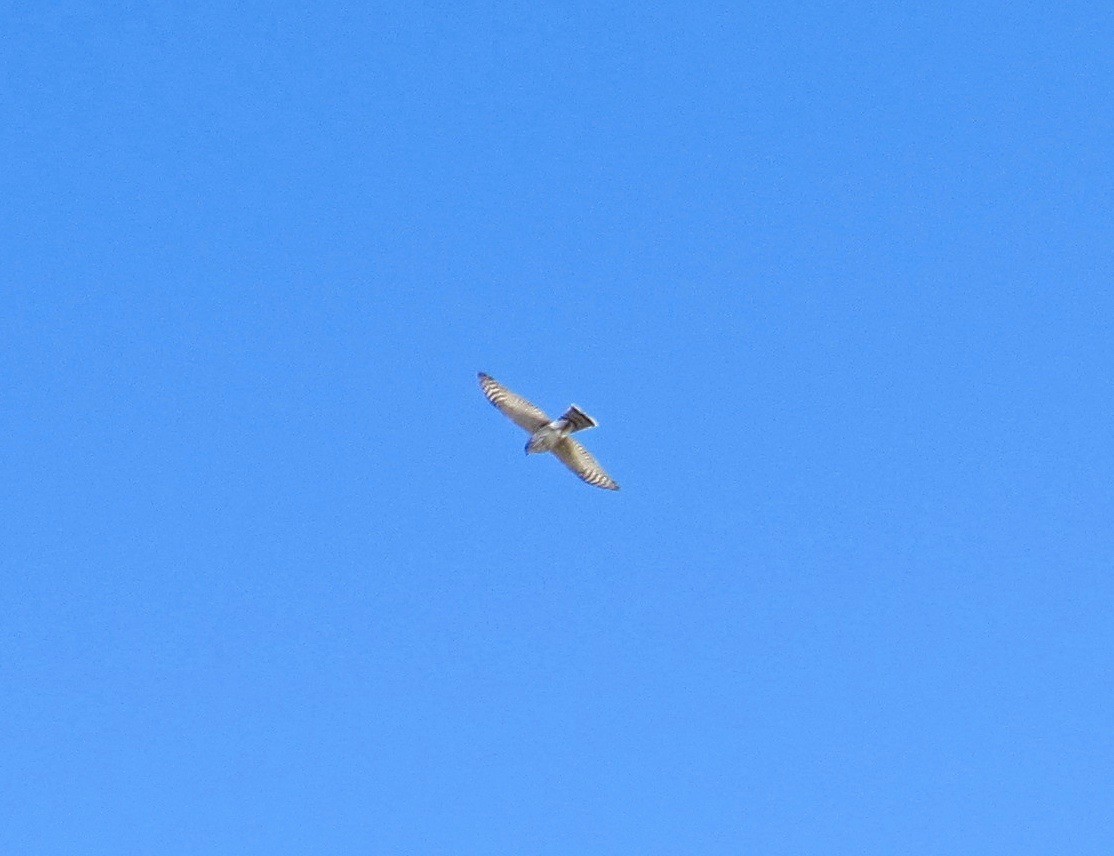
<point x="550" y="435"/>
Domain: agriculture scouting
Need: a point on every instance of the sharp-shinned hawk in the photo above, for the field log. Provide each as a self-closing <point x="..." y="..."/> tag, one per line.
<point x="550" y="435"/>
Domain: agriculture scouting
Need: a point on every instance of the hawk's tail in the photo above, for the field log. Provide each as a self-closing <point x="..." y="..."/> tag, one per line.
<point x="577" y="419"/>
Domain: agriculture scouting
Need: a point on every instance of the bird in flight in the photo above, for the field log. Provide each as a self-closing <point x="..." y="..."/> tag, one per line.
<point x="550" y="435"/>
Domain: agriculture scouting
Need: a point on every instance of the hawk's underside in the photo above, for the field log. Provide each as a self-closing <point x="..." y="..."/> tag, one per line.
<point x="550" y="435"/>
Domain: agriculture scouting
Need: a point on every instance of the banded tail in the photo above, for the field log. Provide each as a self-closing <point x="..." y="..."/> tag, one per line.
<point x="577" y="419"/>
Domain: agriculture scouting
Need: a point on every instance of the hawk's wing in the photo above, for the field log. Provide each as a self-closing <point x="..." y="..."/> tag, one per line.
<point x="520" y="411"/>
<point x="580" y="461"/>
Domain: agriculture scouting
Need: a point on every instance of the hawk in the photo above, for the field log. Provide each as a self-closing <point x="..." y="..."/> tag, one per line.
<point x="550" y="435"/>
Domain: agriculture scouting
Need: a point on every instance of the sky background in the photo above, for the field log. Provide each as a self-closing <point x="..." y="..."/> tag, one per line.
<point x="836" y="284"/>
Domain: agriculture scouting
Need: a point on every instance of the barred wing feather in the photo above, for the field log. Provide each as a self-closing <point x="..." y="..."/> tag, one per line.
<point x="580" y="461"/>
<point x="520" y="411"/>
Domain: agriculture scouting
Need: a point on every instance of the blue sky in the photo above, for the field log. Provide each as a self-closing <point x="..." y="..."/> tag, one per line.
<point x="836" y="284"/>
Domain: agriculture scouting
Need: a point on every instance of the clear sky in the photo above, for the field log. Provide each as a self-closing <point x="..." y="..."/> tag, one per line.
<point x="836" y="284"/>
